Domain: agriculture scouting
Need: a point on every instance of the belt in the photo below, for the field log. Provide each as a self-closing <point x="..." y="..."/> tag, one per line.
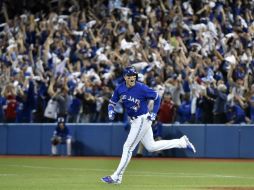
<point x="135" y="117"/>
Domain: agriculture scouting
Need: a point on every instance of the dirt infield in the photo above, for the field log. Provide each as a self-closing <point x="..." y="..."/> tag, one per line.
<point x="117" y="158"/>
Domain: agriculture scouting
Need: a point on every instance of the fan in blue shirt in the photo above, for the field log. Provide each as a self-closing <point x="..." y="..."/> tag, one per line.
<point x="236" y="115"/>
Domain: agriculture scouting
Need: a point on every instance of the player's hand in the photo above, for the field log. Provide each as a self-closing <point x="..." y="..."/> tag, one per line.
<point x="152" y="116"/>
<point x="111" y="115"/>
<point x="56" y="140"/>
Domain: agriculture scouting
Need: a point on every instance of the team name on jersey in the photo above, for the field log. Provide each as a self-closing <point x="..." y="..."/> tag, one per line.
<point x="136" y="102"/>
<point x="130" y="98"/>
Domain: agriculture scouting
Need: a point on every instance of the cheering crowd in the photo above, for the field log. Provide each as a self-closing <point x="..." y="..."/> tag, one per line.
<point x="65" y="60"/>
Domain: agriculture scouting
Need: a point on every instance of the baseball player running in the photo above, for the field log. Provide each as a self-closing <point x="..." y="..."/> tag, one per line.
<point x="135" y="97"/>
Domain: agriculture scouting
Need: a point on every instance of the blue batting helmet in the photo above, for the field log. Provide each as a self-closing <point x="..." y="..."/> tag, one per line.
<point x="130" y="71"/>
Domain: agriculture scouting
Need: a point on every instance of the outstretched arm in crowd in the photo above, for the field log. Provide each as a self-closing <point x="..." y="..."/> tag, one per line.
<point x="47" y="44"/>
<point x="218" y="55"/>
<point x="204" y="8"/>
<point x="51" y="90"/>
<point x="31" y="48"/>
<point x="163" y="6"/>
<point x="146" y="28"/>
<point x="230" y="73"/>
<point x="5" y="12"/>
<point x="93" y="16"/>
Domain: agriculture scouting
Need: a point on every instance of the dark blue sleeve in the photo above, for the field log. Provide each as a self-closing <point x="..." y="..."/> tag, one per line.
<point x="156" y="105"/>
<point x="222" y="95"/>
<point x="56" y="132"/>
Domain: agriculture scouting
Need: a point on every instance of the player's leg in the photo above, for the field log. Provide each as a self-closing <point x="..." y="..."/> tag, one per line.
<point x="140" y="150"/>
<point x="54" y="142"/>
<point x="53" y="150"/>
<point x="137" y="131"/>
<point x="152" y="146"/>
<point x="160" y="152"/>
<point x="68" y="144"/>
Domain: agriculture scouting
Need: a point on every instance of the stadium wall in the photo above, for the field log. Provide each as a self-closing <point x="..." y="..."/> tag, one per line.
<point x="106" y="139"/>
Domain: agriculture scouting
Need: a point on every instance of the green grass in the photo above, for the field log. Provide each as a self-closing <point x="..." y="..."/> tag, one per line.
<point x="45" y="173"/>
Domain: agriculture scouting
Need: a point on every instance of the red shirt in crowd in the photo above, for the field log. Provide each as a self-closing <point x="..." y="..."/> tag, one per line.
<point x="167" y="110"/>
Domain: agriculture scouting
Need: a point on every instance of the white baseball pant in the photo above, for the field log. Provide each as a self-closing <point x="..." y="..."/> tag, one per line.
<point x="68" y="146"/>
<point x="141" y="130"/>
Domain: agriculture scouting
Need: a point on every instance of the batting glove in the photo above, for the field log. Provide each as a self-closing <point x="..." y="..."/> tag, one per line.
<point x="111" y="115"/>
<point x="152" y="116"/>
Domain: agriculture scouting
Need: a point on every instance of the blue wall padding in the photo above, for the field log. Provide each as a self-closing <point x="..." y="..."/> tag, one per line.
<point x="3" y="140"/>
<point x="246" y="144"/>
<point x="222" y="141"/>
<point x="107" y="139"/>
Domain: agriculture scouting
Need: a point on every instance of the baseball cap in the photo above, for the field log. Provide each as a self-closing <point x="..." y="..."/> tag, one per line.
<point x="60" y="120"/>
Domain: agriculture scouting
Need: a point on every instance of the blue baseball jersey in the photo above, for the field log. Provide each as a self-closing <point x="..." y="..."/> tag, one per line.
<point x="135" y="99"/>
<point x="64" y="133"/>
